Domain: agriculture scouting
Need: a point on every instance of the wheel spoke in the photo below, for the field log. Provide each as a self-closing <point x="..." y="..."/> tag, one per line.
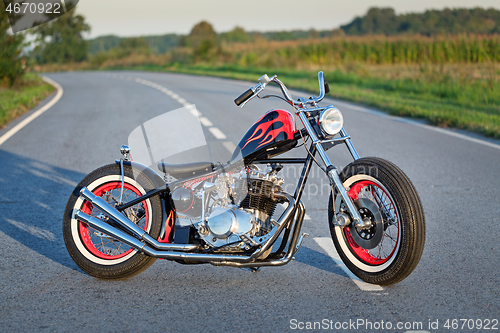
<point x="104" y="244"/>
<point x="390" y="237"/>
<point x="369" y="190"/>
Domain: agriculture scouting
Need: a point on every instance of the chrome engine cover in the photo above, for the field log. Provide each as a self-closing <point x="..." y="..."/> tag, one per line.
<point x="226" y="221"/>
<point x="227" y="225"/>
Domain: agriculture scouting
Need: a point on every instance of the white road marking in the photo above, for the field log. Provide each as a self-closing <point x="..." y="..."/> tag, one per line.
<point x="412" y="122"/>
<point x="326" y="244"/>
<point x="307" y="217"/>
<point x="359" y="109"/>
<point x="205" y="122"/>
<point x="217" y="133"/>
<point x="33" y="116"/>
<point x="195" y="112"/>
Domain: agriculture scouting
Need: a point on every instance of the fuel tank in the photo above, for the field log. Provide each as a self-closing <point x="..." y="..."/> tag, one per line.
<point x="271" y="135"/>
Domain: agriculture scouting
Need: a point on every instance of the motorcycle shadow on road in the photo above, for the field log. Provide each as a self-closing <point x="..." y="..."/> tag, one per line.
<point x="318" y="260"/>
<point x="33" y="196"/>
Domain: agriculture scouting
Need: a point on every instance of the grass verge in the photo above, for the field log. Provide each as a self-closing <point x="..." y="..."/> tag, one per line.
<point x="17" y="100"/>
<point x="473" y="105"/>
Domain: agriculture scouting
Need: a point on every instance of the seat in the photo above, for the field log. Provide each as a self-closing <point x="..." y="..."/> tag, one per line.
<point x="185" y="170"/>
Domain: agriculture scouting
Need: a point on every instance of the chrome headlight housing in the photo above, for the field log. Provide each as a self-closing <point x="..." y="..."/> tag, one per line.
<point x="331" y="120"/>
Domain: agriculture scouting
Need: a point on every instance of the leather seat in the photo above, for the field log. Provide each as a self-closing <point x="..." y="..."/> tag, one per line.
<point x="185" y="170"/>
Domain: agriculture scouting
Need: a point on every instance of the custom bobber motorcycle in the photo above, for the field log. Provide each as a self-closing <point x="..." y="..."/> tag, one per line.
<point x="124" y="216"/>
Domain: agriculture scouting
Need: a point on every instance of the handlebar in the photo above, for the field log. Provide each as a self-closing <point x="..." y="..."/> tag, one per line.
<point x="254" y="91"/>
<point x="243" y="97"/>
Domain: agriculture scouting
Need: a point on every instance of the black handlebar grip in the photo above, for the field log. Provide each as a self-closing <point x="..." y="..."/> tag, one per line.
<point x="243" y="97"/>
<point x="327" y="87"/>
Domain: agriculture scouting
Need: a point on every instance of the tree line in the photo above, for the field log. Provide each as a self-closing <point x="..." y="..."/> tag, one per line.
<point x="430" y="23"/>
<point x="377" y="21"/>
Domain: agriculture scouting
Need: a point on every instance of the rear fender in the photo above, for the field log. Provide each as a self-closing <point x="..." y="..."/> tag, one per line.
<point x="139" y="168"/>
<point x="167" y="230"/>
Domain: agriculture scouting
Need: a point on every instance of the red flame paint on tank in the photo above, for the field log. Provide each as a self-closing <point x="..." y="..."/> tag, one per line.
<point x="261" y="131"/>
<point x="271" y="135"/>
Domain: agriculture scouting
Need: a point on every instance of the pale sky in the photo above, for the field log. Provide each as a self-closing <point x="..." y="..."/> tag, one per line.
<point x="155" y="17"/>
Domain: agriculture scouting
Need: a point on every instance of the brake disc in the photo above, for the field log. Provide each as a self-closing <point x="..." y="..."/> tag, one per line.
<point x="368" y="238"/>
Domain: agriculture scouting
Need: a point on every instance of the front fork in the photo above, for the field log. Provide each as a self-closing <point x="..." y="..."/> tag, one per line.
<point x="332" y="171"/>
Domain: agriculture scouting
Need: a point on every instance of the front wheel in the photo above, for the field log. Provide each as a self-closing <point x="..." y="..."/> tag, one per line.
<point x="390" y="248"/>
<point x="101" y="255"/>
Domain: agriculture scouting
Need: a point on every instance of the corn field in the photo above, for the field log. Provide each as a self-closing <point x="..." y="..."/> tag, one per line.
<point x="369" y="50"/>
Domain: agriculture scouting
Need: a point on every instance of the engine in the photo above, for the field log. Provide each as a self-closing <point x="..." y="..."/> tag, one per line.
<point x="241" y="208"/>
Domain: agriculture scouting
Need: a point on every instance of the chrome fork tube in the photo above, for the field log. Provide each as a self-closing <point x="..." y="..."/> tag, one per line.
<point x="331" y="169"/>
<point x="349" y="145"/>
<point x="356" y="218"/>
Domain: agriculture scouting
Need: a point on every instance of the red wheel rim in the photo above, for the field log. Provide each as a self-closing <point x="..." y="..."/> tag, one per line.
<point x="86" y="231"/>
<point x="365" y="255"/>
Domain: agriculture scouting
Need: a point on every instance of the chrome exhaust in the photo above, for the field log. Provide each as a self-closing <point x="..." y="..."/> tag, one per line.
<point x="282" y="222"/>
<point x="143" y="247"/>
<point x="142" y="241"/>
<point x="103" y="227"/>
<point x="294" y="246"/>
<point x="134" y="229"/>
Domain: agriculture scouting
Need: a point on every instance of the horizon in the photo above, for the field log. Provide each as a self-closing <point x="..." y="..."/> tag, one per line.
<point x="126" y="19"/>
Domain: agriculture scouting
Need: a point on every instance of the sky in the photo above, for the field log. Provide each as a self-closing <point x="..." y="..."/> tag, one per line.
<point x="156" y="17"/>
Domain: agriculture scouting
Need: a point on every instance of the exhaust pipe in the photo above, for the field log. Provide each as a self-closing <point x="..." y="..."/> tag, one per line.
<point x="109" y="230"/>
<point x="294" y="246"/>
<point x="282" y="222"/>
<point x="142" y="241"/>
<point x="137" y="244"/>
<point x="134" y="229"/>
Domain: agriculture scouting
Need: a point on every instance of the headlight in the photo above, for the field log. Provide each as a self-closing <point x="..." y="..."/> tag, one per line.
<point x="331" y="120"/>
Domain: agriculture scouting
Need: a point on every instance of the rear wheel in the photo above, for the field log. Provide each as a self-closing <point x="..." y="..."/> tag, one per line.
<point x="101" y="255"/>
<point x="389" y="249"/>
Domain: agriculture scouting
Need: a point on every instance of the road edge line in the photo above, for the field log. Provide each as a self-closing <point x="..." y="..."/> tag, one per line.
<point x="37" y="113"/>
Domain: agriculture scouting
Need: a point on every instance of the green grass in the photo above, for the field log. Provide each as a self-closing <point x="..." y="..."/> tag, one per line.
<point x="444" y="101"/>
<point x="17" y="100"/>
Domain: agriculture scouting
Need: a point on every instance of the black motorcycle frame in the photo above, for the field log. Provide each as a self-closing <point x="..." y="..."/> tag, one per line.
<point x="299" y="210"/>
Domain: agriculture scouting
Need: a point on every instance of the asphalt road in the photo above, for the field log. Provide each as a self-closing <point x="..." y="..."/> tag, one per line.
<point x="43" y="290"/>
